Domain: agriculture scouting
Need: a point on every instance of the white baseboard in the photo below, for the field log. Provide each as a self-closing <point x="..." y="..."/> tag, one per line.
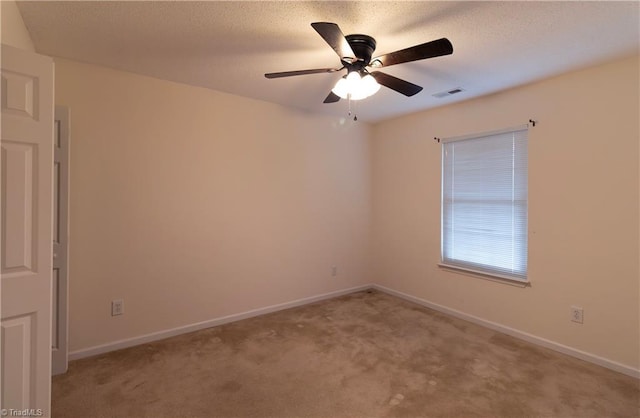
<point x="582" y="355"/>
<point x="160" y="335"/>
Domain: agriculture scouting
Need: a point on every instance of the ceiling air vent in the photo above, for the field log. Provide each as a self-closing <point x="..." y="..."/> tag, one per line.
<point x="448" y="92"/>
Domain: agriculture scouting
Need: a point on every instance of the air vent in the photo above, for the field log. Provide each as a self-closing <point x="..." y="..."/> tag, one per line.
<point x="448" y="93"/>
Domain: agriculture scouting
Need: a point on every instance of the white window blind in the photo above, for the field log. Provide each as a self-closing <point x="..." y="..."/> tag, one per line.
<point x="484" y="203"/>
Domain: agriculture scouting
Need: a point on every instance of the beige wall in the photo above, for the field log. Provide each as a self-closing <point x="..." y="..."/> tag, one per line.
<point x="192" y="204"/>
<point x="14" y="32"/>
<point x="583" y="209"/>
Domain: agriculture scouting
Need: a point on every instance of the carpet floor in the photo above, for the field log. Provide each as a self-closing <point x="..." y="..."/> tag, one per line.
<point x="367" y="354"/>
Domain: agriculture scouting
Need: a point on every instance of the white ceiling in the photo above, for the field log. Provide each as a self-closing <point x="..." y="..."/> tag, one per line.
<point x="228" y="46"/>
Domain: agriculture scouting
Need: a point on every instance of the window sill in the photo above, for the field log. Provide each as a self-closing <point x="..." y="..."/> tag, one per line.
<point x="486" y="276"/>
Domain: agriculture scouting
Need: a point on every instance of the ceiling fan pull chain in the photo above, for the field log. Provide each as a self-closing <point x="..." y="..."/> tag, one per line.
<point x="355" y="117"/>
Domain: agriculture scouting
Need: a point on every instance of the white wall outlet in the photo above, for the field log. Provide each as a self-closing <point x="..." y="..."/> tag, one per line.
<point x="334" y="271"/>
<point x="577" y="314"/>
<point x="117" y="307"/>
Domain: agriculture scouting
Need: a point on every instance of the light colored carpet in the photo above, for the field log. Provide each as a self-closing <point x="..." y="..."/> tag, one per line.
<point x="363" y="355"/>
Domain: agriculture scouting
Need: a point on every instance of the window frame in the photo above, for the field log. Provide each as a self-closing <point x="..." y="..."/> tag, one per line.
<point x="515" y="280"/>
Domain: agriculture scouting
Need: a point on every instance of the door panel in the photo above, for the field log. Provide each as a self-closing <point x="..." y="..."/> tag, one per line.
<point x="17" y="358"/>
<point x="18" y="216"/>
<point x="26" y="229"/>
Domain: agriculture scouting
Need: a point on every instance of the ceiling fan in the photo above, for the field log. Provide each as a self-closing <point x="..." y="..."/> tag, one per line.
<point x="355" y="53"/>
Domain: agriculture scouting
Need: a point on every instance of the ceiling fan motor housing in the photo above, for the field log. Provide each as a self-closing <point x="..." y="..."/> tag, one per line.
<point x="363" y="46"/>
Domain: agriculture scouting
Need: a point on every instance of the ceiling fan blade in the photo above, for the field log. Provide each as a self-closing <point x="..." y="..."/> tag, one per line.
<point x="301" y="72"/>
<point x="332" y="34"/>
<point x="431" y="49"/>
<point x="397" y="84"/>
<point x="331" y="98"/>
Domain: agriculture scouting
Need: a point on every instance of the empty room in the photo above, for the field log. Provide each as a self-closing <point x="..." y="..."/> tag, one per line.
<point x="320" y="209"/>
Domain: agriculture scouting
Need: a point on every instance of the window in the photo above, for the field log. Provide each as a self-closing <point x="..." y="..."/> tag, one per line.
<point x="484" y="204"/>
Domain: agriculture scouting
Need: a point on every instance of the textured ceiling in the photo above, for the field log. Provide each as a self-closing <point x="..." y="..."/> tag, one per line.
<point x="228" y="46"/>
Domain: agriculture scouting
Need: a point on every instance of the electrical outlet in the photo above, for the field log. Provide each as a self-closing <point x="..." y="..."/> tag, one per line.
<point x="334" y="271"/>
<point x="117" y="307"/>
<point x="577" y="314"/>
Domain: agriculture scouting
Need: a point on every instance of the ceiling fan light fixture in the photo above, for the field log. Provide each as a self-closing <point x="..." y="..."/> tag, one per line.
<point x="370" y="85"/>
<point x="341" y="88"/>
<point x="355" y="87"/>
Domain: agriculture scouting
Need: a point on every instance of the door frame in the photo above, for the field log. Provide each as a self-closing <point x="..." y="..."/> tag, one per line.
<point x="60" y="277"/>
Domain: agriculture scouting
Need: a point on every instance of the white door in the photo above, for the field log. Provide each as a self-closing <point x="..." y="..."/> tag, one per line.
<point x="26" y="230"/>
<point x="59" y="322"/>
